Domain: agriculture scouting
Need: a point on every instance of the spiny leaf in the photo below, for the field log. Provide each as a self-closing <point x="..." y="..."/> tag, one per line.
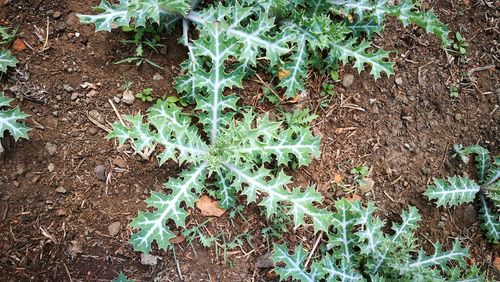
<point x="438" y="258"/>
<point x="110" y="15"/>
<point x="152" y="224"/>
<point x="482" y="158"/>
<point x="9" y="120"/>
<point x="143" y="10"/>
<point x="490" y="222"/>
<point x="6" y="60"/>
<point x="377" y="60"/>
<point x="294" y="268"/>
<point x="122" y="278"/>
<point x="456" y="191"/>
<point x="295" y="69"/>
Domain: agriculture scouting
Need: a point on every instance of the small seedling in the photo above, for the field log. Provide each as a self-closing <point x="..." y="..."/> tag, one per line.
<point x="7" y="37"/>
<point x="145" y="95"/>
<point x="327" y="89"/>
<point x="460" y="44"/>
<point x="144" y="36"/>
<point x="360" y="173"/>
<point x="454" y="92"/>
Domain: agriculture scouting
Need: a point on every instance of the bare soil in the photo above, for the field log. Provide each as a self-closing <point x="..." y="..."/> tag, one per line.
<point x="402" y="127"/>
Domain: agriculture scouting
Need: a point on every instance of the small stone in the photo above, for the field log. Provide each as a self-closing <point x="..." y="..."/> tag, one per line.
<point x="458" y="117"/>
<point x="116" y="99"/>
<point x="55" y="113"/>
<point x="56" y="15"/>
<point x="147" y="259"/>
<point x="51" y="167"/>
<point x="100" y="172"/>
<point x="128" y="97"/>
<point x="157" y="76"/>
<point x="96" y="116"/>
<point x="91" y="131"/>
<point x="366" y="185"/>
<point x="469" y="215"/>
<point x="58" y="97"/>
<point x="51" y="148"/>
<point x="61" y="190"/>
<point x="74" y="96"/>
<point x="264" y="261"/>
<point x="348" y="80"/>
<point x="114" y="228"/>
<point x="68" y="88"/>
<point x="61" y="212"/>
<point x="398" y="80"/>
<point x="21" y="168"/>
<point x="119" y="162"/>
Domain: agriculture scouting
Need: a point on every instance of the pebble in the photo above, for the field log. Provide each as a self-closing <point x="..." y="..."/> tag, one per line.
<point x="58" y="97"/>
<point x="128" y="97"/>
<point x="51" y="167"/>
<point x="100" y="172"/>
<point x="21" y="168"/>
<point x="74" y="96"/>
<point x="458" y="117"/>
<point x="68" y="88"/>
<point x="114" y="228"/>
<point x="398" y="81"/>
<point x="157" y="76"/>
<point x="116" y="100"/>
<point x="147" y="259"/>
<point x="61" y="190"/>
<point x="56" y="15"/>
<point x="51" y="148"/>
<point x="348" y="80"/>
<point x="264" y="262"/>
<point x="96" y="115"/>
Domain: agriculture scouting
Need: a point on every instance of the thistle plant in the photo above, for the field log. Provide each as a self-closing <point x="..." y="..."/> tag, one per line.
<point x="234" y="157"/>
<point x="358" y="249"/>
<point x="458" y="190"/>
<point x="287" y="36"/>
<point x="9" y="120"/>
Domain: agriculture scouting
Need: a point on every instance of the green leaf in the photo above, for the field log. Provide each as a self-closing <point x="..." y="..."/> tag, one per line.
<point x="438" y="258"/>
<point x="152" y="224"/>
<point x="143" y="10"/>
<point x="490" y="222"/>
<point x="122" y="278"/>
<point x="376" y="60"/>
<point x="456" y="191"/>
<point x="6" y="60"/>
<point x="109" y="15"/>
<point x="294" y="268"/>
<point x="295" y="70"/>
<point x="9" y="120"/>
<point x="482" y="158"/>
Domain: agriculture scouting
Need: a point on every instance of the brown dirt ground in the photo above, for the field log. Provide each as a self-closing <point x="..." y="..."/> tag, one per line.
<point x="403" y="132"/>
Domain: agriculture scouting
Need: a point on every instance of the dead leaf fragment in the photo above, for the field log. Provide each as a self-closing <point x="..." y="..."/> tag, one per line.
<point x="496" y="263"/>
<point x="19" y="45"/>
<point x="209" y="206"/>
<point x="337" y="178"/>
<point x="177" y="240"/>
<point x="283" y="74"/>
<point x="353" y="198"/>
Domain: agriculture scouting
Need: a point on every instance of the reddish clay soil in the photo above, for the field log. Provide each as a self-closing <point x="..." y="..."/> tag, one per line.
<point x="402" y="127"/>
